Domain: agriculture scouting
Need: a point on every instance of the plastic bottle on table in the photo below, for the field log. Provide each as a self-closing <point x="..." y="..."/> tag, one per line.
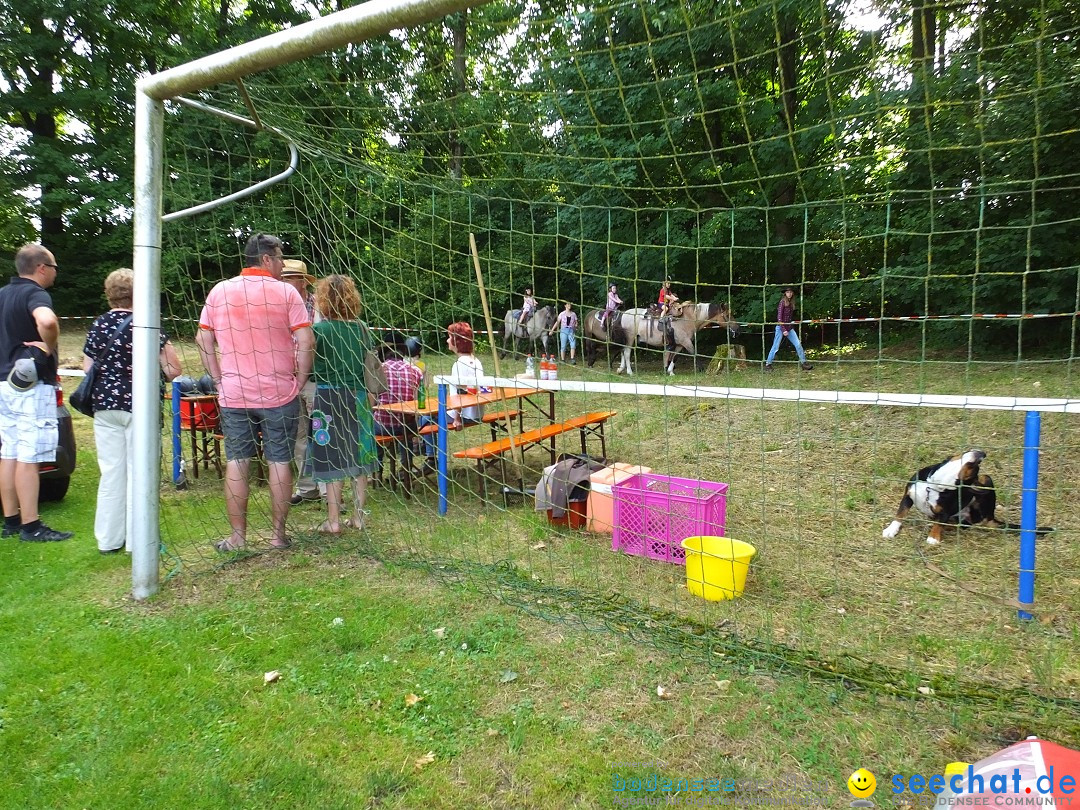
<point x="553" y="368"/>
<point x="530" y="366"/>
<point x="947" y="795"/>
<point x="545" y="367"/>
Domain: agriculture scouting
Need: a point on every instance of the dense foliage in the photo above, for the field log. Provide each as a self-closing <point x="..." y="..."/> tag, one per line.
<point x="922" y="166"/>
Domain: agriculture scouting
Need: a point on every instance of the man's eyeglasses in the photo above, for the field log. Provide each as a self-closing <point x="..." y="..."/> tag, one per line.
<point x="46" y="264"/>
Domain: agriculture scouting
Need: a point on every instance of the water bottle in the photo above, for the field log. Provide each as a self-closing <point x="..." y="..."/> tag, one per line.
<point x="553" y="368"/>
<point x="530" y="366"/>
<point x="545" y="367"/>
<point x="944" y="799"/>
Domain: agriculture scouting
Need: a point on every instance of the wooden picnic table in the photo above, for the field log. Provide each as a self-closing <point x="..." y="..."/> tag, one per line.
<point x="411" y="410"/>
<point x="458" y="401"/>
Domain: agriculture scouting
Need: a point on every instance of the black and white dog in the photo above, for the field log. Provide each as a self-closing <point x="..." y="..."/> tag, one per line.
<point x="952" y="493"/>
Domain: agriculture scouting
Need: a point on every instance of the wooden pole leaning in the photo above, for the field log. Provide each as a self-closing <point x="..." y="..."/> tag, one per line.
<point x="514" y="448"/>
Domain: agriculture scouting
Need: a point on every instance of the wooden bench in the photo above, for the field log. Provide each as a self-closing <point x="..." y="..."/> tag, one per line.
<point x="590" y="424"/>
<point x="492" y="419"/>
<point x="406" y="478"/>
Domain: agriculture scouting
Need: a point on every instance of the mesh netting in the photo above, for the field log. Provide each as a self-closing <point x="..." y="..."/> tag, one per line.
<point x="914" y="185"/>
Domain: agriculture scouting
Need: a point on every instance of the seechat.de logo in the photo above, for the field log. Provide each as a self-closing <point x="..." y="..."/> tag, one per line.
<point x="862" y="785"/>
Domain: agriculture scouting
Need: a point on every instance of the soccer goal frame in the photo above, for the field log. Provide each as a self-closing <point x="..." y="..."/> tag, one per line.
<point x="371" y="19"/>
<point x="354" y="25"/>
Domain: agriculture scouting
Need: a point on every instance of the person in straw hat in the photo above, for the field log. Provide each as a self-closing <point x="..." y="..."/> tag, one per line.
<point x="295" y="273"/>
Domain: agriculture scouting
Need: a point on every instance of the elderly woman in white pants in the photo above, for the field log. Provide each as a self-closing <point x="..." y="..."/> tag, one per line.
<point x="108" y="345"/>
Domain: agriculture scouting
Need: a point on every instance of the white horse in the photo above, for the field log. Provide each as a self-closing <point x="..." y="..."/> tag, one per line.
<point x="535" y="328"/>
<point x="677" y="333"/>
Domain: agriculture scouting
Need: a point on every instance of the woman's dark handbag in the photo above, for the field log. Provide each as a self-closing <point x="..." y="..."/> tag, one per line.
<point x="82" y="398"/>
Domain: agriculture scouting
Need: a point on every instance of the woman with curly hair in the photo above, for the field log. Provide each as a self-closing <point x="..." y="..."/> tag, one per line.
<point x="342" y="444"/>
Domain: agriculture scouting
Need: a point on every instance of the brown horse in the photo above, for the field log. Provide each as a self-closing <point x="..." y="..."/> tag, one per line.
<point x="636" y="326"/>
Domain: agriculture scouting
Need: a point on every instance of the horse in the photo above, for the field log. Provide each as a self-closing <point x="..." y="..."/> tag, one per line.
<point x="635" y="326"/>
<point x="536" y="327"/>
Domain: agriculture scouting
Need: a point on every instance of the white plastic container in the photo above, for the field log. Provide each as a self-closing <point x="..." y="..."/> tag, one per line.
<point x="601" y="501"/>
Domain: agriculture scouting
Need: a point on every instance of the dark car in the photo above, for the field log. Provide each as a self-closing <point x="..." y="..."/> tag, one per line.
<point x="56" y="475"/>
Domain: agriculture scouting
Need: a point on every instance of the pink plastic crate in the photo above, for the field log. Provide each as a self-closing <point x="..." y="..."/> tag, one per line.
<point x="654" y="513"/>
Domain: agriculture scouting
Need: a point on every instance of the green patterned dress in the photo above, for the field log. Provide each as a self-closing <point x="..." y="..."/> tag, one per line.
<point x="342" y="443"/>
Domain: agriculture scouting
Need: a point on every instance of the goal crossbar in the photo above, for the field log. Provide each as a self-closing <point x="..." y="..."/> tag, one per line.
<point x="356" y="24"/>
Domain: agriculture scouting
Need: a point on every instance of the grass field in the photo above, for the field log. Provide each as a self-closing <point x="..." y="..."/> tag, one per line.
<point x="537" y="655"/>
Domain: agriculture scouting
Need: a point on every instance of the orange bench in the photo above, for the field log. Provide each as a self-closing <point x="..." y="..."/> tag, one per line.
<point x="382" y="441"/>
<point x="487" y="419"/>
<point x="587" y="424"/>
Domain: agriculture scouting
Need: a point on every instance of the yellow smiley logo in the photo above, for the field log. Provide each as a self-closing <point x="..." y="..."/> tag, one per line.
<point x="862" y="784"/>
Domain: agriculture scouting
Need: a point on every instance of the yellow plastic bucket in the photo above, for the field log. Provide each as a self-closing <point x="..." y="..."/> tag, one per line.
<point x="716" y="566"/>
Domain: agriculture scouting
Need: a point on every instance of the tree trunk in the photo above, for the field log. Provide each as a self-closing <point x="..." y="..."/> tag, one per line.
<point x="923" y="48"/>
<point x="458" y="24"/>
<point x="50" y="208"/>
<point x="222" y="21"/>
<point x="40" y="122"/>
<point x="787" y="70"/>
<point x="942" y="26"/>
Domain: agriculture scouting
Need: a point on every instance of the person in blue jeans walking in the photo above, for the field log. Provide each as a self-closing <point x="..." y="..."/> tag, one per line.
<point x="785" y="317"/>
<point x="566" y="323"/>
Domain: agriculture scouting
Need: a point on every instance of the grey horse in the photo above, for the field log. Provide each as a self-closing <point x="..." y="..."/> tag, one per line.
<point x="535" y="328"/>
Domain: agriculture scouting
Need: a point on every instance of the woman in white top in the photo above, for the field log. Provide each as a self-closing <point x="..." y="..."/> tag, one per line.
<point x="465" y="371"/>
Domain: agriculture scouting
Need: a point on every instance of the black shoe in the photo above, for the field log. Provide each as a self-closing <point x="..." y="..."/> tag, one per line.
<point x="768" y="366"/>
<point x="110" y="550"/>
<point x="9" y="532"/>
<point x="43" y="534"/>
<point x="806" y="367"/>
<point x="298" y="499"/>
<point x="430" y="467"/>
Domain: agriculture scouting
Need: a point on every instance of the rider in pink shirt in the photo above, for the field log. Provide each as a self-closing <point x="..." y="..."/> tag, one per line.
<point x="613" y="304"/>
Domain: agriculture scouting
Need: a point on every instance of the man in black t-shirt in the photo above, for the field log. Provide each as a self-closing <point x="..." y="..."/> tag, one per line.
<point x="29" y="332"/>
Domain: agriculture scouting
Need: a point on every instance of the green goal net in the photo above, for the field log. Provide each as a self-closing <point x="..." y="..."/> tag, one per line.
<point x="908" y="170"/>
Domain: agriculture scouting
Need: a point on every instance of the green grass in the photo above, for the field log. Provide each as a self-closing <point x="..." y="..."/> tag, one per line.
<point x="109" y="703"/>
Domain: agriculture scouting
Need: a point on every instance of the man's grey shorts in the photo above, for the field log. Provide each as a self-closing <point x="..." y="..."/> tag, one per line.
<point x="242" y="428"/>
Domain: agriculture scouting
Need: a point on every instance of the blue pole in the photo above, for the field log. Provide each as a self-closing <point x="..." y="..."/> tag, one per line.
<point x="177" y="451"/>
<point x="444" y="483"/>
<point x="1028" y="504"/>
